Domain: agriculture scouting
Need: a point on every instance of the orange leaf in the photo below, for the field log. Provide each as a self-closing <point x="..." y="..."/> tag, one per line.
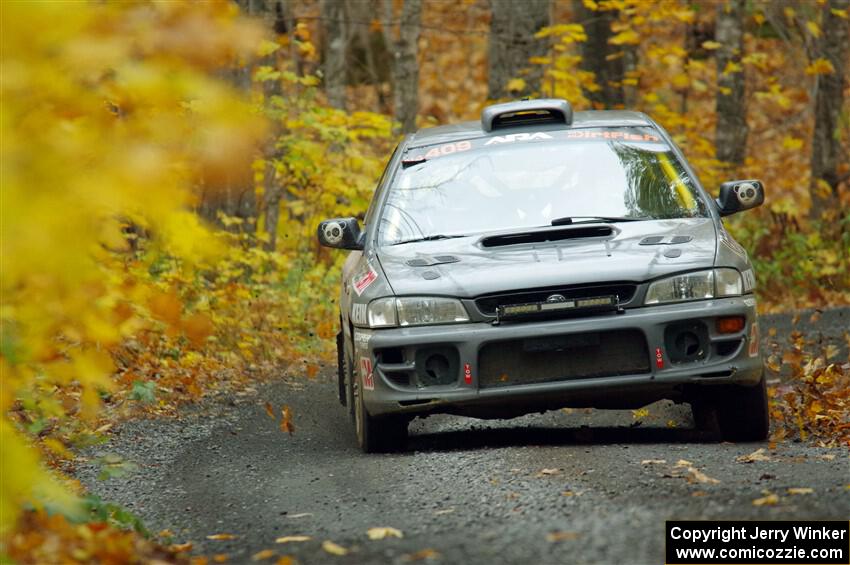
<point x="166" y="307"/>
<point x="198" y="327"/>
<point x="286" y="420"/>
<point x="221" y="536"/>
<point x="270" y="410"/>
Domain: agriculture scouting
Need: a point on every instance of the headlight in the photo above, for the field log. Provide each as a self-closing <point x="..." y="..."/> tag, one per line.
<point x="381" y="313"/>
<point x="415" y="311"/>
<point x="695" y="286"/>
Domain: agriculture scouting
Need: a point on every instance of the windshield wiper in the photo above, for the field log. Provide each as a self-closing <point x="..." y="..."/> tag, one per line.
<point x="567" y="220"/>
<point x="428" y="238"/>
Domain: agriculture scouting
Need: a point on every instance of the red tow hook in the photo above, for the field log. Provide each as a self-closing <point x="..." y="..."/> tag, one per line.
<point x="659" y="358"/>
<point x="467" y="374"/>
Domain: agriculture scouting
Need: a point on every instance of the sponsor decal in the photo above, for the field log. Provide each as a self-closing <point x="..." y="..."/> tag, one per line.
<point x="749" y="280"/>
<point x="623" y="135"/>
<point x="467" y="374"/>
<point x="754" y="339"/>
<point x="358" y="313"/>
<point x="361" y="338"/>
<point x="659" y="358"/>
<point x="366" y="373"/>
<point x="511" y="137"/>
<point x="362" y="282"/>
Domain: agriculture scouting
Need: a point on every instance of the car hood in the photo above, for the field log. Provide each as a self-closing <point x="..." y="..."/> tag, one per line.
<point x="635" y="251"/>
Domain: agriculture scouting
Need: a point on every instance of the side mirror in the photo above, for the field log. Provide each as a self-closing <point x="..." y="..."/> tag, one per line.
<point x="341" y="233"/>
<point x="739" y="195"/>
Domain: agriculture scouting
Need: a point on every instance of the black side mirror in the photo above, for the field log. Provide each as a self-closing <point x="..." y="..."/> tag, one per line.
<point x="341" y="233"/>
<point x="740" y="195"/>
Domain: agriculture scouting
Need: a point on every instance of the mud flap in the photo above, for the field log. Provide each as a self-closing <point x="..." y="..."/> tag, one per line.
<point x="340" y="366"/>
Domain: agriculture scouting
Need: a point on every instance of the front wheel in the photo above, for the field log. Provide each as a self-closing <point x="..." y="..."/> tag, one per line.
<point x="377" y="435"/>
<point x="741" y="412"/>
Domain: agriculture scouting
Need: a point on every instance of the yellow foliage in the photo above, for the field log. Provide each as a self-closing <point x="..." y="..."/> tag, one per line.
<point x="110" y="116"/>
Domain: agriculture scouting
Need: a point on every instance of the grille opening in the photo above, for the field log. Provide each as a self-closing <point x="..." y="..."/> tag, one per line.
<point x="563" y="357"/>
<point x="399" y="378"/>
<point x="546" y="235"/>
<point x="390" y="355"/>
<point x="725" y="348"/>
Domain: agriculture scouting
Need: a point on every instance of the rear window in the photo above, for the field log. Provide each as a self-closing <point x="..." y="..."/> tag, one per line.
<point x="527" y="180"/>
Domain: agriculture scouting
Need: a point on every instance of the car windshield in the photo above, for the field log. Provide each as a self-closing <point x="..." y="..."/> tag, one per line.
<point x="520" y="181"/>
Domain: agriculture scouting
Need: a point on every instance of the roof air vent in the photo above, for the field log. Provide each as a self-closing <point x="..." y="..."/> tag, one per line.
<point x="526" y="113"/>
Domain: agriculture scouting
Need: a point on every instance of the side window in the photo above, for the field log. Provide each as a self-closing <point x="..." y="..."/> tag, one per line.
<point x="373" y="205"/>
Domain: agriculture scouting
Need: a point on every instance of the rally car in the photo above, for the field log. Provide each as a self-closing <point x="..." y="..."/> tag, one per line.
<point x="542" y="258"/>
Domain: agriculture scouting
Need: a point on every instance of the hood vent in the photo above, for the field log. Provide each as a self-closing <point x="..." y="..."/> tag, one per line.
<point x="546" y="236"/>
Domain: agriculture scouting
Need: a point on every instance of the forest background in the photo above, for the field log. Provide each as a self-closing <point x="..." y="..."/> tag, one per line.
<point x="164" y="167"/>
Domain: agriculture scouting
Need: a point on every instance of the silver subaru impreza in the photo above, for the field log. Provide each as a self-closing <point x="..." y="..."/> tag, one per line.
<point x="542" y="258"/>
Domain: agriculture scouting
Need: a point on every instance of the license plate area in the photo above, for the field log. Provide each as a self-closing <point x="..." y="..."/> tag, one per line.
<point x="560" y="342"/>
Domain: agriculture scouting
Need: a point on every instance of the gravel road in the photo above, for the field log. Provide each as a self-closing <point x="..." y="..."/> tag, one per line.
<point x="580" y="486"/>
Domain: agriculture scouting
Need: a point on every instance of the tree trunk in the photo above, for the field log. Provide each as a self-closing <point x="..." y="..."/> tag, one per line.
<point x="829" y="98"/>
<point x="335" y="46"/>
<point x="405" y="62"/>
<point x="731" y="133"/>
<point x="513" y="24"/>
<point x="601" y="58"/>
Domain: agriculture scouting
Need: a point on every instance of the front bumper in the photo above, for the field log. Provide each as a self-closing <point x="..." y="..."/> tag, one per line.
<point x="726" y="359"/>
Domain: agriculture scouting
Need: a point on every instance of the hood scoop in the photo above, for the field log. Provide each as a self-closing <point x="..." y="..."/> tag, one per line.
<point x="426" y="261"/>
<point x="660" y="240"/>
<point x="546" y="236"/>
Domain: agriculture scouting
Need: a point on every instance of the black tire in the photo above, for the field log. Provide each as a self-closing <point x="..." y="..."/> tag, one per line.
<point x="740" y="412"/>
<point x="341" y="369"/>
<point x="349" y="386"/>
<point x="377" y="435"/>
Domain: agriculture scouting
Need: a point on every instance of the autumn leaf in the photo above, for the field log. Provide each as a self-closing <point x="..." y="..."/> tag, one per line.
<point x="385" y="532"/>
<point x="800" y="490"/>
<point x="767" y="500"/>
<point x="515" y="85"/>
<point x="558" y="536"/>
<point x="333" y="548"/>
<point x="820" y="66"/>
<point x="757" y="455"/>
<point x="711" y="45"/>
<point x="218" y="537"/>
<point x="269" y="410"/>
<point x="422" y="555"/>
<point x="292" y="539"/>
<point x="286" y="420"/>
<point x="263" y="554"/>
<point x="548" y="472"/>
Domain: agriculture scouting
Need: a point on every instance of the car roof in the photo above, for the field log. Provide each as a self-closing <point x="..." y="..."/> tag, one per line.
<point x="475" y="129"/>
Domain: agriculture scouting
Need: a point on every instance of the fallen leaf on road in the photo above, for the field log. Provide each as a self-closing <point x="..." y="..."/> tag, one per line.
<point x="221" y="536"/>
<point x="757" y="455"/>
<point x="444" y="511"/>
<point x="699" y="493"/>
<point x="768" y="500"/>
<point x="220" y="557"/>
<point x="554" y="537"/>
<point x="270" y="410"/>
<point x="422" y="554"/>
<point x="800" y="490"/>
<point x="291" y="539"/>
<point x="694" y="474"/>
<point x="333" y="548"/>
<point x="181" y="547"/>
<point x="264" y="554"/>
<point x="653" y="462"/>
<point x="285" y="560"/>
<point x="640" y="413"/>
<point x="568" y="493"/>
<point x="827" y="457"/>
<point x="546" y="472"/>
<point x="286" y="420"/>
<point x="381" y="533"/>
<point x="302" y="515"/>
